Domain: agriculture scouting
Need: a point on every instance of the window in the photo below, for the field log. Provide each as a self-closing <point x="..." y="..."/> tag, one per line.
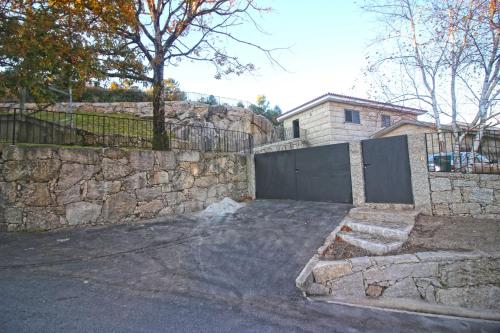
<point x="296" y="129"/>
<point x="386" y="121"/>
<point x="352" y="116"/>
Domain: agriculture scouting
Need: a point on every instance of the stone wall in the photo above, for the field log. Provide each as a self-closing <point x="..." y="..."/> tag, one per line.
<point x="282" y="145"/>
<point x="459" y="194"/>
<point x="448" y="278"/>
<point x="141" y="109"/>
<point x="316" y="121"/>
<point x="43" y="188"/>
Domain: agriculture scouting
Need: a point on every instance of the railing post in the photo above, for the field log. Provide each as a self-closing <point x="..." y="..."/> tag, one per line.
<point x="103" y="131"/>
<point x="202" y="138"/>
<point x="14" y="128"/>
<point x="250" y="142"/>
<point x="170" y="143"/>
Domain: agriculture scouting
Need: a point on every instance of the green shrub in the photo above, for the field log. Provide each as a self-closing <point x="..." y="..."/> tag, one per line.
<point x="103" y="95"/>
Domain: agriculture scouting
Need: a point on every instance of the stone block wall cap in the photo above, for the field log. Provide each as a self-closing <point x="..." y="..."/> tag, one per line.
<point x="305" y="276"/>
<point x="325" y="271"/>
<point x="450" y="255"/>
<point x="396" y="259"/>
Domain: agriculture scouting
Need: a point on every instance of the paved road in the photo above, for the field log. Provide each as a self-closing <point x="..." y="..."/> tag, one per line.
<point x="234" y="274"/>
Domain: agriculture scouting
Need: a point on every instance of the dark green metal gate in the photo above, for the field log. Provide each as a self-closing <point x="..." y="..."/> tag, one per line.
<point x="387" y="170"/>
<point x="311" y="174"/>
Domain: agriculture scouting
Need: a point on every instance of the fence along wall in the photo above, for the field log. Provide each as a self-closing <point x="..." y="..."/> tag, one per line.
<point x="49" y="127"/>
<point x="185" y="112"/>
<point x="464" y="181"/>
<point x="468" y="153"/>
<point x="44" y="188"/>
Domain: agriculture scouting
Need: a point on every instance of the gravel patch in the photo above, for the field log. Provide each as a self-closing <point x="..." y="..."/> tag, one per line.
<point x="221" y="208"/>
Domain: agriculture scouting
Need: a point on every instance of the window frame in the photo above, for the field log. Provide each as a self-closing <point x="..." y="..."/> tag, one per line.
<point x="352" y="112"/>
<point x="296" y="128"/>
<point x="385" y="116"/>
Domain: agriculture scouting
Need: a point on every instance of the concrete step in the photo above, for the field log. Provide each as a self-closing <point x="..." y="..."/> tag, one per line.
<point x="390" y="206"/>
<point x="375" y="244"/>
<point x="396" y="230"/>
<point x="383" y="215"/>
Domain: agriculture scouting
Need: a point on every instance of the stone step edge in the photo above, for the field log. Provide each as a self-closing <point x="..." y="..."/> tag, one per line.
<point x="374" y="229"/>
<point x="398" y="207"/>
<point x="381" y="247"/>
<point x="403" y="213"/>
<point x="382" y="216"/>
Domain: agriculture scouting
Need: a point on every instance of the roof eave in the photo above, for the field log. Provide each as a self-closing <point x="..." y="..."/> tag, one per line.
<point x="329" y="98"/>
<point x="304" y="107"/>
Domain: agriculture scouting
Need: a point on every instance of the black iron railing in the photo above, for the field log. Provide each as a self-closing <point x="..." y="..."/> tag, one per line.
<point x="91" y="129"/>
<point x="466" y="152"/>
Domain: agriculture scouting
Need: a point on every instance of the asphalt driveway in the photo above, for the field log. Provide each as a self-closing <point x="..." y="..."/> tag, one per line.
<point x="186" y="274"/>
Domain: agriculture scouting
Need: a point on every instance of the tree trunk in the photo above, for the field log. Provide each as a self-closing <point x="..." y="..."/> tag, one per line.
<point x="161" y="139"/>
<point x="70" y="94"/>
<point x="454" y="113"/>
<point x="483" y="112"/>
<point x="22" y="99"/>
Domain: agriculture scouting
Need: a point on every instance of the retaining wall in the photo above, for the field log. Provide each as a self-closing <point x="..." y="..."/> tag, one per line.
<point x="282" y="145"/>
<point x="448" y="278"/>
<point x="458" y="194"/>
<point x="43" y="188"/>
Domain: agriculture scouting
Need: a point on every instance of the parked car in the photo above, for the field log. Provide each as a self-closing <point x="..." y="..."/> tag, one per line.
<point x="468" y="162"/>
<point x="440" y="162"/>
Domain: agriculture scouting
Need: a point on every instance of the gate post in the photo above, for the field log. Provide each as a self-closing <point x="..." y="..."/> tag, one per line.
<point x="251" y="175"/>
<point x="357" y="175"/>
<point x="417" y="153"/>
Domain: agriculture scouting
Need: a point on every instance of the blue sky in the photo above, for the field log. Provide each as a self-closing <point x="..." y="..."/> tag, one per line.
<point x="327" y="42"/>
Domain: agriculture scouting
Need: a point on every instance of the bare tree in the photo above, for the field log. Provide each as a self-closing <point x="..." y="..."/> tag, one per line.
<point x="457" y="17"/>
<point x="482" y="77"/>
<point x="416" y="54"/>
<point x="443" y="53"/>
<point x="163" y="32"/>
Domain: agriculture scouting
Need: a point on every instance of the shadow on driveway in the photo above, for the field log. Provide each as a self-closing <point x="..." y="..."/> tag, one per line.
<point x="186" y="274"/>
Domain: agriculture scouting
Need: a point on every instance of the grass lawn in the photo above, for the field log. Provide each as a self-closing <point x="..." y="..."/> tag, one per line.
<point x="101" y="124"/>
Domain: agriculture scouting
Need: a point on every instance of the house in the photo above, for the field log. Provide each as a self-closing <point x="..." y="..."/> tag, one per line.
<point x="415" y="127"/>
<point x="333" y="118"/>
<point x="408" y="126"/>
<point x="445" y="141"/>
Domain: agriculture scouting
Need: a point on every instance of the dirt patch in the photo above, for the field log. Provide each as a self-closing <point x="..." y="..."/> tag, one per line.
<point x="453" y="233"/>
<point x="343" y="250"/>
<point x="435" y="233"/>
